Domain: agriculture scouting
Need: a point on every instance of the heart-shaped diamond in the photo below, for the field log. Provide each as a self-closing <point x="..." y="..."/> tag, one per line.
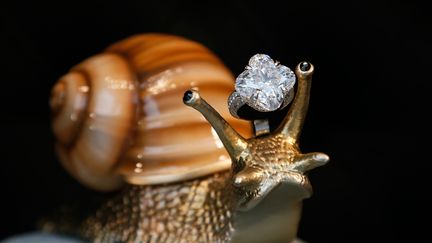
<point x="264" y="83"/>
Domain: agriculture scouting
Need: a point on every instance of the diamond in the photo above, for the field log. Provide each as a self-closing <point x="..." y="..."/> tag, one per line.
<point x="264" y="83"/>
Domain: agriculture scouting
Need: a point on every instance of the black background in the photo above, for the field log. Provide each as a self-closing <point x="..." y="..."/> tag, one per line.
<point x="369" y="99"/>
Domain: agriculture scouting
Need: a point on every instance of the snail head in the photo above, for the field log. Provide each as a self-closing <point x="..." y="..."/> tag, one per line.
<point x="261" y="163"/>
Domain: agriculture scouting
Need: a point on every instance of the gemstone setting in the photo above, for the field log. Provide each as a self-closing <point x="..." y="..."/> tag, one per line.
<point x="265" y="83"/>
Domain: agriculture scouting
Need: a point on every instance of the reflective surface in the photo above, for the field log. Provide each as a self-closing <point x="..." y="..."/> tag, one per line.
<point x="263" y="162"/>
<point x="267" y="165"/>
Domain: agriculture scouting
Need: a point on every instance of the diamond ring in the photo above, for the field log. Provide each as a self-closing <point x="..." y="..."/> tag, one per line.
<point x="264" y="86"/>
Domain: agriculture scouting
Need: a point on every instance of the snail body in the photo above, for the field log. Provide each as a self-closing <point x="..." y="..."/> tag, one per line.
<point x="120" y="123"/>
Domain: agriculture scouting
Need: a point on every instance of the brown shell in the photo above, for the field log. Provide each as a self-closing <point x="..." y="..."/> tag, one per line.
<point x="119" y="116"/>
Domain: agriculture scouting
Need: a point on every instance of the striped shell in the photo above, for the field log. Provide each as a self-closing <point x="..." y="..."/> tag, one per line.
<point x="119" y="117"/>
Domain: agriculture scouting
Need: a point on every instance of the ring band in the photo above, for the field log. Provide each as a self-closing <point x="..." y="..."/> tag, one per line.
<point x="235" y="102"/>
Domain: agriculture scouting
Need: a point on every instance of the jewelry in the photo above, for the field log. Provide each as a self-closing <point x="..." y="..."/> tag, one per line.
<point x="265" y="86"/>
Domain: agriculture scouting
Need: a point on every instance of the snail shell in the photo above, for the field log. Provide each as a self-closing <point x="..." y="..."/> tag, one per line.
<point x="119" y="117"/>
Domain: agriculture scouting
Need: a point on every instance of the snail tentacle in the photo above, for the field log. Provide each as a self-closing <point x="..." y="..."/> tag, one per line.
<point x="234" y="143"/>
<point x="309" y="161"/>
<point x="248" y="176"/>
<point x="292" y="124"/>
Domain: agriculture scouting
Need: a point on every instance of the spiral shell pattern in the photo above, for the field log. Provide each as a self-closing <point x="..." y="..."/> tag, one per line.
<point x="119" y="116"/>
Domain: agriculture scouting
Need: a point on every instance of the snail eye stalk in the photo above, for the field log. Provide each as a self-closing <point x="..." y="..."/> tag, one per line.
<point x="234" y="143"/>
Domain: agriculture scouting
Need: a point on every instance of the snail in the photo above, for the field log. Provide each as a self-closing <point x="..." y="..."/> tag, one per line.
<point x="123" y="123"/>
